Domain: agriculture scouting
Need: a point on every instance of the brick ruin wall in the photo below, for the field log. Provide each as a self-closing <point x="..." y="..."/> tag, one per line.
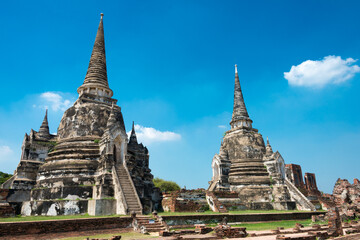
<point x="185" y="201"/>
<point x="347" y="198"/>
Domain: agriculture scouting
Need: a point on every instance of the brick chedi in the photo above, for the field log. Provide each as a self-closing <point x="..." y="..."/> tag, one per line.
<point x="247" y="167"/>
<point x="91" y="167"/>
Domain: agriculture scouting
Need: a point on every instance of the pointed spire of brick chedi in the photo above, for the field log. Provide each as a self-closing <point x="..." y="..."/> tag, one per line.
<point x="44" y="128"/>
<point x="96" y="82"/>
<point x="240" y="116"/>
<point x="133" y="138"/>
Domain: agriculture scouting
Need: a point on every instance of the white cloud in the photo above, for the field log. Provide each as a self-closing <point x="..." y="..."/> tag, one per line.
<point x="222" y="126"/>
<point x="148" y="135"/>
<point x="5" y="153"/>
<point x="55" y="101"/>
<point x="330" y="70"/>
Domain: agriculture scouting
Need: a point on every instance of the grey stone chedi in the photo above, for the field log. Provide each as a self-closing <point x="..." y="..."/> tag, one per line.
<point x="91" y="166"/>
<point x="247" y="166"/>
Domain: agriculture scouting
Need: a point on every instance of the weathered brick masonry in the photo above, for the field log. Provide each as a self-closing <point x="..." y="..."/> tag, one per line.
<point x="53" y="226"/>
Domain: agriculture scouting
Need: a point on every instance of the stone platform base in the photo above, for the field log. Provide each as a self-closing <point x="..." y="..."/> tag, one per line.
<point x="93" y="207"/>
<point x="98" y="207"/>
<point x="232" y="204"/>
<point x="54" y="207"/>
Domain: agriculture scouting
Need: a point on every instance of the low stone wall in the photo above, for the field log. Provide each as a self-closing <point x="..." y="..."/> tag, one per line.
<point x="234" y="204"/>
<point x="53" y="226"/>
<point x="254" y="217"/>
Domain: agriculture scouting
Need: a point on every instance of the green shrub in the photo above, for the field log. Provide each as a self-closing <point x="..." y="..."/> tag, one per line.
<point x="4" y="177"/>
<point x="166" y="186"/>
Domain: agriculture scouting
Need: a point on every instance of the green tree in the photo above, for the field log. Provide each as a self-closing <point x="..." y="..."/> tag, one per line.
<point x="4" y="177"/>
<point x="166" y="186"/>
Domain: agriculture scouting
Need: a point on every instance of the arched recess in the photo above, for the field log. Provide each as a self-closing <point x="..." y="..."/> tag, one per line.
<point x="118" y="147"/>
<point x="216" y="168"/>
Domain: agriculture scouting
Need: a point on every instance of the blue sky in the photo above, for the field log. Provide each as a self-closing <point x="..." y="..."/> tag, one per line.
<point x="171" y="67"/>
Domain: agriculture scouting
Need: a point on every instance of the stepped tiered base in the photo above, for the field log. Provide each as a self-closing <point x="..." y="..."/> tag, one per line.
<point x="65" y="181"/>
<point x="251" y="180"/>
<point x="248" y="172"/>
<point x="68" y="170"/>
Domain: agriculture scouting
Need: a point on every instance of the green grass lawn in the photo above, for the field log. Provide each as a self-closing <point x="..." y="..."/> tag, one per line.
<point x="230" y="212"/>
<point x="272" y="225"/>
<point x="41" y="218"/>
<point x="127" y="236"/>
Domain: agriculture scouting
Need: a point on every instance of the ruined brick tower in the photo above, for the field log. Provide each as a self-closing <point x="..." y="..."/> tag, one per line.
<point x="90" y="168"/>
<point x="246" y="166"/>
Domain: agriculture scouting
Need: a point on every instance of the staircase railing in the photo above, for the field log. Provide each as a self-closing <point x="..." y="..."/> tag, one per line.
<point x="298" y="196"/>
<point x="7" y="183"/>
<point x="119" y="193"/>
<point x="134" y="188"/>
<point x="213" y="185"/>
<point x="214" y="203"/>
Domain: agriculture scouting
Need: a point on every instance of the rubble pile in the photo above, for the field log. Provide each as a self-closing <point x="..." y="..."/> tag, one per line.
<point x="227" y="231"/>
<point x="347" y="198"/>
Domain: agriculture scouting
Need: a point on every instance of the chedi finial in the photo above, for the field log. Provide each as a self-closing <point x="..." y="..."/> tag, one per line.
<point x="236" y="68"/>
<point x="101" y="14"/>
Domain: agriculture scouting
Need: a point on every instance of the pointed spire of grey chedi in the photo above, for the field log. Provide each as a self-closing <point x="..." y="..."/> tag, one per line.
<point x="268" y="147"/>
<point x="133" y="138"/>
<point x="44" y="131"/>
<point x="96" y="76"/>
<point x="240" y="116"/>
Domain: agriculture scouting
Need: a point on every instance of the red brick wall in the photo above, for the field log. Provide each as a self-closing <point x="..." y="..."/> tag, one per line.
<point x="53" y="226"/>
<point x="310" y="182"/>
<point x="187" y="203"/>
<point x="4" y="193"/>
<point x="297" y="175"/>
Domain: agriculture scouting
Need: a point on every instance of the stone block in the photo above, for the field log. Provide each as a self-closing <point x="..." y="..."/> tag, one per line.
<point x="98" y="207"/>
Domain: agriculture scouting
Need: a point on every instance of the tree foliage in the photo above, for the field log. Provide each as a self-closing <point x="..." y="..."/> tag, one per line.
<point x="4" y="177"/>
<point x="166" y="186"/>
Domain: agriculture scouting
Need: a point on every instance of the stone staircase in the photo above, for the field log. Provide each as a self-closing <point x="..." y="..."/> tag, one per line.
<point x="149" y="224"/>
<point x="129" y="191"/>
<point x="214" y="203"/>
<point x="299" y="198"/>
